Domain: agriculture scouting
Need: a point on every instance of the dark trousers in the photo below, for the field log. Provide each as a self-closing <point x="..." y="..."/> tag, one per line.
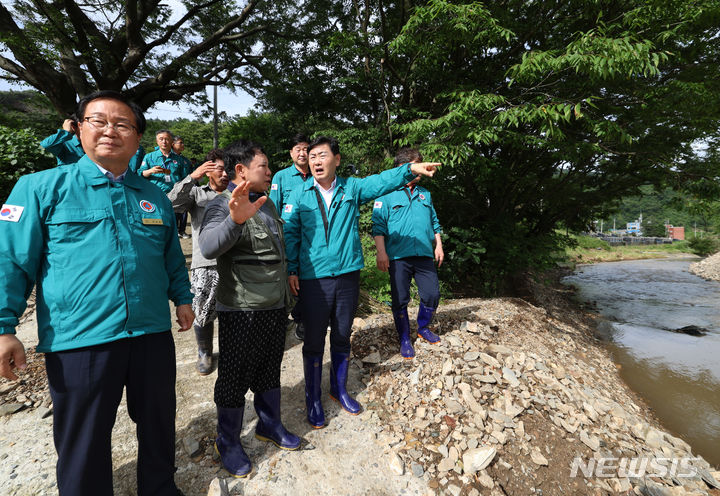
<point x="181" y="221"/>
<point x="423" y="270"/>
<point x="86" y="386"/>
<point x="252" y="344"/>
<point x="329" y="300"/>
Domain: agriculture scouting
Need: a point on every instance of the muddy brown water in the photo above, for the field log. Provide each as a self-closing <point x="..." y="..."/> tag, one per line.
<point x="677" y="375"/>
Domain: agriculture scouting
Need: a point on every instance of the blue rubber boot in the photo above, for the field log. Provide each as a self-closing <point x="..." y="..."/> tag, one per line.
<point x="227" y="444"/>
<point x="313" y="376"/>
<point x="403" y="329"/>
<point x="424" y="318"/>
<point x="269" y="427"/>
<point x="338" y="380"/>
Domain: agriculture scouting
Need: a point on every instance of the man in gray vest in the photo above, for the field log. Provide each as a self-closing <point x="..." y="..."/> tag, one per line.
<point x="243" y="231"/>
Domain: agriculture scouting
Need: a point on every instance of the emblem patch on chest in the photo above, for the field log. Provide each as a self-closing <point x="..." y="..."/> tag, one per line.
<point x="146" y="206"/>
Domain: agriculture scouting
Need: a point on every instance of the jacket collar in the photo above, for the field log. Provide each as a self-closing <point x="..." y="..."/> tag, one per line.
<point x="94" y="177"/>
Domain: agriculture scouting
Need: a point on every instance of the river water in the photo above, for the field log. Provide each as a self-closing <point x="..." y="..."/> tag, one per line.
<point x="677" y="375"/>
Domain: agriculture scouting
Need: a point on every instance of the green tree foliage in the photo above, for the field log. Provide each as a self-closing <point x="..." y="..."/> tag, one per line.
<point x="29" y="110"/>
<point x="703" y="246"/>
<point x="20" y="154"/>
<point x="544" y="114"/>
<point x="152" y="51"/>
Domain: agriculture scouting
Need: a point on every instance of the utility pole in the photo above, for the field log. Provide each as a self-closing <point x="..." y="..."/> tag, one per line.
<point x="215" y="117"/>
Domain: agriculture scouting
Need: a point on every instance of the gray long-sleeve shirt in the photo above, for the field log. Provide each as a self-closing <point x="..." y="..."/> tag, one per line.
<point x="219" y="232"/>
<point x="187" y="196"/>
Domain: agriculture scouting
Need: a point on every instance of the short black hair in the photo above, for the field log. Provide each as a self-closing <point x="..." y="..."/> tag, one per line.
<point x="325" y="140"/>
<point x="240" y="152"/>
<point x="213" y="155"/>
<point x="140" y="122"/>
<point x="165" y="131"/>
<point x="407" y="154"/>
<point x="178" y="138"/>
<point x="298" y="138"/>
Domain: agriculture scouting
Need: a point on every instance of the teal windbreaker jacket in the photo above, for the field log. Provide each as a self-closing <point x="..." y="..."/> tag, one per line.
<point x="407" y="221"/>
<point x="104" y="256"/>
<point x="316" y="248"/>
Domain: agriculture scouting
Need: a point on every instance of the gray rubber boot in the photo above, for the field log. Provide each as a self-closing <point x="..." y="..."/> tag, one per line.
<point x="204" y="338"/>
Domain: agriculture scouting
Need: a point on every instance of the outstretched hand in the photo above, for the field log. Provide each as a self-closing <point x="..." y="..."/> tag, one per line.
<point x="424" y="168"/>
<point x="241" y="208"/>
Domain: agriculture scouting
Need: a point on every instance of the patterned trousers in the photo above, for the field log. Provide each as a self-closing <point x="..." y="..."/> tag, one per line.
<point x="251" y="352"/>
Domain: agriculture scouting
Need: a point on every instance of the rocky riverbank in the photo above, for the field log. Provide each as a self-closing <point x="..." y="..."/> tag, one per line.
<point x="517" y="399"/>
<point x="708" y="268"/>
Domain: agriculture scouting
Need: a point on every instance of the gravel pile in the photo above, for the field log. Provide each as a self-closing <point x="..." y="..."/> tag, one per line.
<point x="511" y="398"/>
<point x="709" y="268"/>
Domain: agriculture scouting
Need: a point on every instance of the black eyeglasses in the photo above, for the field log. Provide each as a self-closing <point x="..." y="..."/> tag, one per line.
<point x="100" y="124"/>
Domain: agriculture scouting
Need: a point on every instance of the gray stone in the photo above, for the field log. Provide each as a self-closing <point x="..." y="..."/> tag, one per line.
<point x="372" y="358"/>
<point x="453" y="454"/>
<point x="471" y="356"/>
<point x="489" y="360"/>
<point x="396" y="464"/>
<point x="415" y="376"/>
<point x="485" y="480"/>
<point x="498" y="348"/>
<point x="510" y="376"/>
<point x="417" y="469"/>
<point x="471" y="327"/>
<point x="538" y="457"/>
<point x="477" y="459"/>
<point x="486" y="378"/>
<point x="654" y="438"/>
<point x="500" y="436"/>
<point x="10" y="408"/>
<point x="191" y="446"/>
<point x="10" y="386"/>
<point x="218" y="487"/>
<point x="446" y="464"/>
<point x="442" y="449"/>
<point x="591" y="442"/>
<point x="453" y="406"/>
<point x="43" y="412"/>
<point x="454" y="490"/>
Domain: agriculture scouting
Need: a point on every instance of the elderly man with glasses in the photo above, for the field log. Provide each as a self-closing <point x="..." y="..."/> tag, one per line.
<point x="99" y="245"/>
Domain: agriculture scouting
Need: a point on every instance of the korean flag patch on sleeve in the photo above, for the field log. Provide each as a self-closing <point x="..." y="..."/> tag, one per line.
<point x="377" y="204"/>
<point x="11" y="213"/>
<point x="287" y="208"/>
<point x="274" y="187"/>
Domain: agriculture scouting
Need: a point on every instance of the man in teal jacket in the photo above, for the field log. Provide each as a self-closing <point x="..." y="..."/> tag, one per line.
<point x="163" y="167"/>
<point x="324" y="254"/>
<point x="99" y="245"/>
<point x="64" y="144"/>
<point x="284" y="182"/>
<point x="404" y="228"/>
